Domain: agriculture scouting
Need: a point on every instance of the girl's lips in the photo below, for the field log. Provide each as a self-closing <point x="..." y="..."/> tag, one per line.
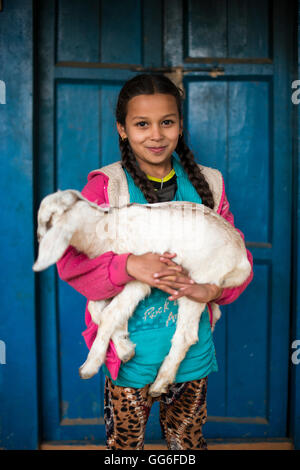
<point x="156" y="149"/>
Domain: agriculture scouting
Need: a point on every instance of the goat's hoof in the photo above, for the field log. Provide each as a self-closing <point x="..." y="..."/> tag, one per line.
<point x="125" y="356"/>
<point x="154" y="394"/>
<point x="87" y="372"/>
<point x="156" y="390"/>
<point x="125" y="350"/>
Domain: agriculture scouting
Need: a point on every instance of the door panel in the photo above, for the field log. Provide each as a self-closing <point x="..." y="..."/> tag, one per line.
<point x="236" y="120"/>
<point x="234" y="29"/>
<point x="229" y="121"/>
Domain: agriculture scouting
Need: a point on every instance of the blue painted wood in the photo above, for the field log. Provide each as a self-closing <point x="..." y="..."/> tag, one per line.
<point x="45" y="184"/>
<point x="18" y="375"/>
<point x="249" y="156"/>
<point x="248" y="341"/>
<point x="281" y="231"/>
<point x="249" y="29"/>
<point x="78" y="35"/>
<point x="74" y="140"/>
<point x="237" y="123"/>
<point x="152" y="27"/>
<point x="235" y="29"/>
<point x="294" y="415"/>
<point x="206" y="29"/>
<point x="121" y="28"/>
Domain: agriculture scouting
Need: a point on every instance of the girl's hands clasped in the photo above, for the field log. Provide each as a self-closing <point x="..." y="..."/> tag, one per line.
<point x="143" y="268"/>
<point x="162" y="272"/>
<point x="187" y="287"/>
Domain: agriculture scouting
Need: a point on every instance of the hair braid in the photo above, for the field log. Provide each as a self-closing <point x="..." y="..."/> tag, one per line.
<point x="194" y="173"/>
<point x="139" y="177"/>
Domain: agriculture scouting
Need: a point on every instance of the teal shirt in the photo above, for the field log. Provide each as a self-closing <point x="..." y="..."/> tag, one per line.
<point x="153" y="323"/>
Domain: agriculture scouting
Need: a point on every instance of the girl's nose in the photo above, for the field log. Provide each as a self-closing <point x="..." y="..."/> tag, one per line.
<point x="156" y="133"/>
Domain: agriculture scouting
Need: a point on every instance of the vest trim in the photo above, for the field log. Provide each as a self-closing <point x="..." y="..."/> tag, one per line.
<point x="118" y="193"/>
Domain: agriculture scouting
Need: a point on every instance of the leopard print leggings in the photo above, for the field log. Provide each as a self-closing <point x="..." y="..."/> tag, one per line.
<point x="182" y="414"/>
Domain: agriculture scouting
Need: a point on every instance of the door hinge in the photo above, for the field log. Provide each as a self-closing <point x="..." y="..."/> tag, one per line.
<point x="176" y="76"/>
<point x="176" y="73"/>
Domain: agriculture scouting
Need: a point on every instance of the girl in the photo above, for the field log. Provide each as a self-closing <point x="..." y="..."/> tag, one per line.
<point x="150" y="126"/>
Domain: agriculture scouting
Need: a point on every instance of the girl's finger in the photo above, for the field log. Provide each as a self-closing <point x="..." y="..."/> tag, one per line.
<point x="167" y="289"/>
<point x="166" y="254"/>
<point x="167" y="258"/>
<point x="172" y="265"/>
<point x="165" y="280"/>
<point x="170" y="271"/>
<point x="178" y="268"/>
<point x="177" y="295"/>
<point x="175" y="278"/>
<point x="168" y="262"/>
<point x="173" y="283"/>
<point x="182" y="291"/>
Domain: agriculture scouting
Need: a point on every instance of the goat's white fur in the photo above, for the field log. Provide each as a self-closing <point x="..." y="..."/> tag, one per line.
<point x="206" y="245"/>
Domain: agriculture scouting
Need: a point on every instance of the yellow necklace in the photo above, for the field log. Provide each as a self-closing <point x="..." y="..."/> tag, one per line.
<point x="162" y="180"/>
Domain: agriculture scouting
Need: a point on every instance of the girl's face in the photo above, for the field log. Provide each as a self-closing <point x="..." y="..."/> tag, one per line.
<point x="152" y="127"/>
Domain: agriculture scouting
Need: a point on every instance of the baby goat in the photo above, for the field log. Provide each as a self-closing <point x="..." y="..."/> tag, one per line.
<point x="207" y="246"/>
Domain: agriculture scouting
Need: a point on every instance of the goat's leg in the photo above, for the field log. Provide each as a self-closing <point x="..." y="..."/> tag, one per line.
<point x="96" y="309"/>
<point x="186" y="334"/>
<point x="117" y="314"/>
<point x="124" y="347"/>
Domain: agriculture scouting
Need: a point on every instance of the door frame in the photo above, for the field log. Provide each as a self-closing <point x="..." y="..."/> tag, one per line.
<point x="294" y="376"/>
<point x="293" y="419"/>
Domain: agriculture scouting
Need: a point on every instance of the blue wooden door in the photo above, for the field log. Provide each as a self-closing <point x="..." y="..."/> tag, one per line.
<point x="233" y="60"/>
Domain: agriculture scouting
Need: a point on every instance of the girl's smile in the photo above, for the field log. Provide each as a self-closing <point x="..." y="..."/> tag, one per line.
<point x="157" y="150"/>
<point x="152" y="127"/>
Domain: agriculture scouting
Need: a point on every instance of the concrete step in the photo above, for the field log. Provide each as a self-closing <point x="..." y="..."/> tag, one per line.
<point x="213" y="444"/>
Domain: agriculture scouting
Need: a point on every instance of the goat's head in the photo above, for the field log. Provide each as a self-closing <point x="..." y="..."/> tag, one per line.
<point x="55" y="229"/>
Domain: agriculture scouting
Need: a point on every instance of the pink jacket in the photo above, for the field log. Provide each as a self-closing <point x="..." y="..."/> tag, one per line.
<point x="105" y="276"/>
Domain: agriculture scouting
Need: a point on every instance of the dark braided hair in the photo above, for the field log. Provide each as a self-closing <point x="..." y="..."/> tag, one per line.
<point x="149" y="84"/>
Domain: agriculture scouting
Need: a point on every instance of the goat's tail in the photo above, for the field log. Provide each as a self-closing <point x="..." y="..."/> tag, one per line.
<point x="216" y="314"/>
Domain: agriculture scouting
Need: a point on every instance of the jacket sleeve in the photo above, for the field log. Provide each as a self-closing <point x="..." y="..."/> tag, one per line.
<point x="99" y="278"/>
<point x="229" y="295"/>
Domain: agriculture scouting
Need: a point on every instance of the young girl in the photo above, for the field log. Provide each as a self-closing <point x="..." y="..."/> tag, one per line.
<point x="150" y="126"/>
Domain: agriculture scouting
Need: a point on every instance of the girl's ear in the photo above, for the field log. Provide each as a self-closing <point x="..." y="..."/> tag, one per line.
<point x="121" y="130"/>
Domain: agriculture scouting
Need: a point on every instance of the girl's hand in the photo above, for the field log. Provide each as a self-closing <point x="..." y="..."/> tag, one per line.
<point x="143" y="268"/>
<point x="202" y="293"/>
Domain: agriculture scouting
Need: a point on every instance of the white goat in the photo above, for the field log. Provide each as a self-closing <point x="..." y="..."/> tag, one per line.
<point x="206" y="245"/>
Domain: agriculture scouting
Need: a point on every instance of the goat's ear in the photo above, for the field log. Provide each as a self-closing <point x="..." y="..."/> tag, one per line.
<point x="52" y="246"/>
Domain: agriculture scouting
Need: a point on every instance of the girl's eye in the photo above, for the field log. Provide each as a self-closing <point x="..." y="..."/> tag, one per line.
<point x="143" y="123"/>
